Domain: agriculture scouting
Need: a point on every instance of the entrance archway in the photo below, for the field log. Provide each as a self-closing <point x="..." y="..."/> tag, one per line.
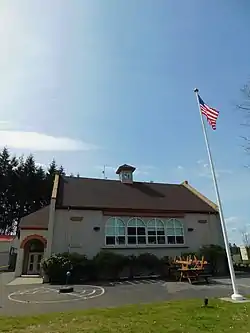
<point x="33" y="254"/>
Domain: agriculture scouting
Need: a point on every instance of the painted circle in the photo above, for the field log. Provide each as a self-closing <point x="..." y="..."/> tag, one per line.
<point x="81" y="293"/>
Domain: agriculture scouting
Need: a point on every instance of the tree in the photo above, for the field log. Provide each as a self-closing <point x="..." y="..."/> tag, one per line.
<point x="245" y="238"/>
<point x="7" y="197"/>
<point x="244" y="107"/>
<point x="24" y="188"/>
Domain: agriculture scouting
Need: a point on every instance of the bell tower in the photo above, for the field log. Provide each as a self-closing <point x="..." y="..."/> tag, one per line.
<point x="125" y="173"/>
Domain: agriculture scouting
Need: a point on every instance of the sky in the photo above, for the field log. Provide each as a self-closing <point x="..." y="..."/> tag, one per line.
<point x="94" y="83"/>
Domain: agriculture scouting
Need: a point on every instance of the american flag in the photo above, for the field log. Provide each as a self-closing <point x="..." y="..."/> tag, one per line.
<point x="210" y="113"/>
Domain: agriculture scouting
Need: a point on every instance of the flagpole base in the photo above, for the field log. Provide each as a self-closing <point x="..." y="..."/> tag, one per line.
<point x="237" y="297"/>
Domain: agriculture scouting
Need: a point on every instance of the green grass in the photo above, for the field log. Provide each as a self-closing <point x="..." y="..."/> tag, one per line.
<point x="173" y="317"/>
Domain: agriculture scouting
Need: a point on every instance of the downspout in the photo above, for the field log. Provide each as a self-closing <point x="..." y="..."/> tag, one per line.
<point x="52" y="210"/>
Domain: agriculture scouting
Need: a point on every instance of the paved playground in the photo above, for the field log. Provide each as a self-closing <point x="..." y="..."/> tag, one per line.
<point x="21" y="299"/>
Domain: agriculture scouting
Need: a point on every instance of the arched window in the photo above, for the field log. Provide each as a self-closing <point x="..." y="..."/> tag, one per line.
<point x="136" y="231"/>
<point x="175" y="232"/>
<point x="115" y="231"/>
<point x="156" y="232"/>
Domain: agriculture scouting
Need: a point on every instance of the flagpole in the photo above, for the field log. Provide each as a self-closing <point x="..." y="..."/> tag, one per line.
<point x="236" y="296"/>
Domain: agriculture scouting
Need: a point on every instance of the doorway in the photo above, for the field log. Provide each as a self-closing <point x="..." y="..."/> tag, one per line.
<point x="34" y="263"/>
<point x="33" y="255"/>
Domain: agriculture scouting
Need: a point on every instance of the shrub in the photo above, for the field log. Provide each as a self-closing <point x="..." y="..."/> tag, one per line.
<point x="82" y="267"/>
<point x="108" y="264"/>
<point x="148" y="261"/>
<point x="216" y="256"/>
<point x="56" y="267"/>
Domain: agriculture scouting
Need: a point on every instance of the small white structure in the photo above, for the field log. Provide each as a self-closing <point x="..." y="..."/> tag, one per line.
<point x="6" y="242"/>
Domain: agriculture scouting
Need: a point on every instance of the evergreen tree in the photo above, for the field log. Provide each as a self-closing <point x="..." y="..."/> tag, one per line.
<point x="8" y="207"/>
<point x="24" y="188"/>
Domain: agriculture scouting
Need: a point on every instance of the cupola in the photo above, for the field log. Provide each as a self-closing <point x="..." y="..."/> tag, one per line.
<point x="125" y="173"/>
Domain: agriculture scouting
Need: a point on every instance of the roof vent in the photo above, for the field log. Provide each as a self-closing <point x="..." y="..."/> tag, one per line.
<point x="125" y="173"/>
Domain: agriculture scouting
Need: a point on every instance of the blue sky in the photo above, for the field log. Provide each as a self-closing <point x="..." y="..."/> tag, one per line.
<point x="111" y="82"/>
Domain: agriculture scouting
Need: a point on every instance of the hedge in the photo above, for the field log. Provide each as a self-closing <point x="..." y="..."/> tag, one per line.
<point x="104" y="266"/>
<point x="108" y="265"/>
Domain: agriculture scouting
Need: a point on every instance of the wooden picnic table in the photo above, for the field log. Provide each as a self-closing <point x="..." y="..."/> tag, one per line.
<point x="190" y="274"/>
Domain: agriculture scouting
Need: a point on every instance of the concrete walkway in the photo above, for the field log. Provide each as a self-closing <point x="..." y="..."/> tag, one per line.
<point x="6" y="277"/>
<point x="240" y="281"/>
<point x="25" y="280"/>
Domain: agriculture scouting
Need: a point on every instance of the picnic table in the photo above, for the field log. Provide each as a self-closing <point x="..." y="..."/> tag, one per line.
<point x="191" y="269"/>
<point x="191" y="274"/>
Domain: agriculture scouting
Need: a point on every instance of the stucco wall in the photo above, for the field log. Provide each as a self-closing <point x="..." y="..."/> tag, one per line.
<point x="4" y="254"/>
<point x="79" y="236"/>
<point x="20" y="252"/>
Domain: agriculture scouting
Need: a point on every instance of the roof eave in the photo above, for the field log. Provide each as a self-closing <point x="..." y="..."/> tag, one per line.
<point x="200" y="196"/>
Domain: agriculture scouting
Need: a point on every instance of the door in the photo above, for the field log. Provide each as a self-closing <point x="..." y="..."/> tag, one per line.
<point x="34" y="264"/>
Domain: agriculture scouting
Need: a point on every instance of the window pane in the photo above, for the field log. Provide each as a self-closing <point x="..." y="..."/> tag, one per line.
<point x="170" y="224"/>
<point x="159" y="225"/>
<point x="119" y="223"/>
<point x="141" y="231"/>
<point x="179" y="239"/>
<point x="152" y="239"/>
<point x="151" y="224"/>
<point x="120" y="240"/>
<point x="177" y="224"/>
<point x="111" y="223"/>
<point x="179" y="232"/>
<point x="161" y="232"/>
<point x="141" y="239"/>
<point x="110" y="240"/>
<point x="140" y="223"/>
<point x="161" y="239"/>
<point x="131" y="231"/>
<point x="170" y="231"/>
<point x="110" y="231"/>
<point x="151" y="232"/>
<point x="132" y="240"/>
<point x="171" y="239"/>
<point x="121" y="231"/>
<point x="132" y="223"/>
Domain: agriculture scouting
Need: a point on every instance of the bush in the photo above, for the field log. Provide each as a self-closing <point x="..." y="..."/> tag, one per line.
<point x="106" y="265"/>
<point x="56" y="268"/>
<point x="148" y="262"/>
<point x="216" y="256"/>
<point x="109" y="265"/>
<point x="82" y="267"/>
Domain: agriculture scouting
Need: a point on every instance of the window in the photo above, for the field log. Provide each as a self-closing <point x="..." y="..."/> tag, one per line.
<point x="136" y="232"/>
<point x="156" y="232"/>
<point x="115" y="231"/>
<point x="175" y="232"/>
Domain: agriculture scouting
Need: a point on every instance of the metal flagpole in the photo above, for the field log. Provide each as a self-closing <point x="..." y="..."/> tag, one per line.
<point x="235" y="296"/>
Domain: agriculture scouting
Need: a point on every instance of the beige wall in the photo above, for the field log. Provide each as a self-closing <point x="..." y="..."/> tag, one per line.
<point x="20" y="252"/>
<point x="4" y="254"/>
<point x="80" y="236"/>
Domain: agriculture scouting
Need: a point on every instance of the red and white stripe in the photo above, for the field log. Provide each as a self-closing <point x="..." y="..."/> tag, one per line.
<point x="211" y="115"/>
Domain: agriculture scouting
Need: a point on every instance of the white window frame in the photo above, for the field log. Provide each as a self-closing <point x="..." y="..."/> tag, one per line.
<point x="120" y="223"/>
<point x="116" y="228"/>
<point x="174" y="220"/>
<point x="136" y="235"/>
<point x="156" y="229"/>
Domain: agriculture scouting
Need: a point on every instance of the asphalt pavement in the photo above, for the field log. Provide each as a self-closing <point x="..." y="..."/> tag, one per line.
<point x="42" y="298"/>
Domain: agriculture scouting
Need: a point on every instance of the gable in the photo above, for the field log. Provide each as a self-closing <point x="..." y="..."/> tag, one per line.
<point x="36" y="220"/>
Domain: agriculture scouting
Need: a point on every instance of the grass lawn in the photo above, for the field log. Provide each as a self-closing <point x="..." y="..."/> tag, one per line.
<point x="173" y="317"/>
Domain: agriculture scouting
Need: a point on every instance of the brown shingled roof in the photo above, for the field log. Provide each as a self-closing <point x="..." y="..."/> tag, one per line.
<point x="113" y="194"/>
<point x="38" y="219"/>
